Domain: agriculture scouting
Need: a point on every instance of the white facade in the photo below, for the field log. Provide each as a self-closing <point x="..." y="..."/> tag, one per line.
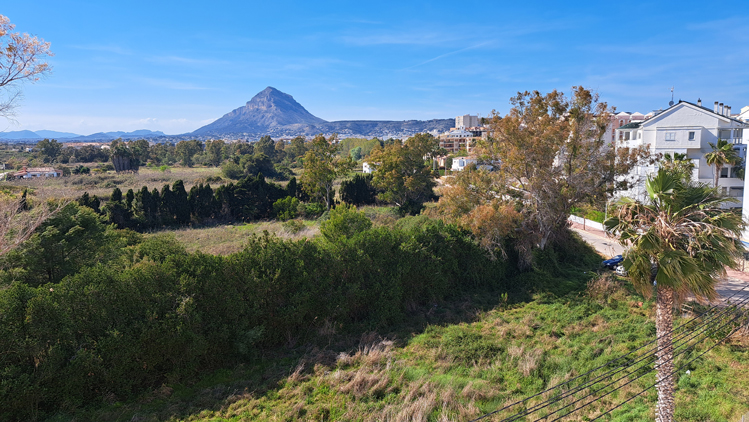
<point x="687" y="128"/>
<point x="366" y="168"/>
<point x="459" y="163"/>
<point x="466" y="120"/>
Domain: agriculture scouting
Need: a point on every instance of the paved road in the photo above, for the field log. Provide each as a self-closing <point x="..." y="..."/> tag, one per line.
<point x="731" y="285"/>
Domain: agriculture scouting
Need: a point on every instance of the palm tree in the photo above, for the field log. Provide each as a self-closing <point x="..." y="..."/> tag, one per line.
<point x="722" y="154"/>
<point x="679" y="242"/>
<point x="679" y="163"/>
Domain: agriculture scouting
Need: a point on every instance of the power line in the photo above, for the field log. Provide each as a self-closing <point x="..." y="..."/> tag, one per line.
<point x="616" y="389"/>
<point x="671" y="374"/>
<point x="549" y="402"/>
<point x="703" y="329"/>
<point x="556" y="399"/>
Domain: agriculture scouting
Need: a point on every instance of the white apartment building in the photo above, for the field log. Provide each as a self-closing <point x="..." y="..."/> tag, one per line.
<point x="687" y="128"/>
<point x="464" y="135"/>
<point x="466" y="120"/>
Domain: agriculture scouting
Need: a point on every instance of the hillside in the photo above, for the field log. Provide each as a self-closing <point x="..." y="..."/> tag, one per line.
<point x="275" y="113"/>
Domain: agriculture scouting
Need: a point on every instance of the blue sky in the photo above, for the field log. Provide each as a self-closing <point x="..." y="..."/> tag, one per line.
<point x="175" y="66"/>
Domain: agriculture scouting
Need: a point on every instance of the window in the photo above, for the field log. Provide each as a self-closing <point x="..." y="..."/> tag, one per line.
<point x="724" y="172"/>
<point x="670" y="136"/>
<point x="691" y="136"/>
<point x="639" y="135"/>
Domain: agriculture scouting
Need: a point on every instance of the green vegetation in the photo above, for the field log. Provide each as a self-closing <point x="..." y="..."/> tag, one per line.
<point x="155" y="314"/>
<point x="682" y="239"/>
<point x="452" y="362"/>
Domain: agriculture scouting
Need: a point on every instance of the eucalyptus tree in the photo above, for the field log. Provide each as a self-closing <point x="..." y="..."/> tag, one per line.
<point x="722" y="154"/>
<point x="322" y="166"/>
<point x="551" y="153"/>
<point x="680" y="241"/>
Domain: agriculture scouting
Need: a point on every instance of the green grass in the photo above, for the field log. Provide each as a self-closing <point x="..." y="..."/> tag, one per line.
<point x="473" y="356"/>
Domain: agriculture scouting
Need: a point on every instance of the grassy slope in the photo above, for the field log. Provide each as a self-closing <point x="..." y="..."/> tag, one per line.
<point x="487" y="355"/>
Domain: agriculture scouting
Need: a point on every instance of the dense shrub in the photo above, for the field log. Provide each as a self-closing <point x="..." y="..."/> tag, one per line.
<point x="110" y="332"/>
<point x="344" y="221"/>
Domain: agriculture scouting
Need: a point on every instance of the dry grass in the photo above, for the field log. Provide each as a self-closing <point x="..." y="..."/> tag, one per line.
<point x="103" y="184"/>
<point x="228" y="239"/>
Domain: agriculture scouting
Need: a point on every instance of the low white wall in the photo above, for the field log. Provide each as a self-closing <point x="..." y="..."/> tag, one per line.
<point x="588" y="223"/>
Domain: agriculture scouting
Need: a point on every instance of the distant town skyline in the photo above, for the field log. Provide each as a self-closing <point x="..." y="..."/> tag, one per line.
<point x="174" y="67"/>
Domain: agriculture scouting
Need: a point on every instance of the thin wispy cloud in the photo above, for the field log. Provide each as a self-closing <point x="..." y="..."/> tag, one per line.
<point x="403" y="38"/>
<point x="442" y="56"/>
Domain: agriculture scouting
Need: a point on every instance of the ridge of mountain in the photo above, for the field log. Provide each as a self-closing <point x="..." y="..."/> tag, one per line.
<point x="268" y="109"/>
<point x="53" y="134"/>
<point x="140" y="133"/>
<point x="272" y="112"/>
<point x="27" y="135"/>
<point x="19" y="134"/>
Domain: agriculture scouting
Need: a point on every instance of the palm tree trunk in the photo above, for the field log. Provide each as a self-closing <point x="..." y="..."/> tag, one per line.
<point x="717" y="175"/>
<point x="664" y="410"/>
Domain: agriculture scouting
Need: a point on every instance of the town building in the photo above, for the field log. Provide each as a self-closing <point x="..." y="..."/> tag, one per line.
<point x="34" y="172"/>
<point x="464" y="135"/>
<point x="466" y="120"/>
<point x="686" y="128"/>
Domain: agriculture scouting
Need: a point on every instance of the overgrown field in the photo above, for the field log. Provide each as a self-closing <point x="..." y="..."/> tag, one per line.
<point x="404" y="319"/>
<point x="460" y="370"/>
<point x="102" y="184"/>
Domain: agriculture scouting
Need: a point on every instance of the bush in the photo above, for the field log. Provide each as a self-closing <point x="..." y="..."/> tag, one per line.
<point x="286" y="208"/>
<point x="344" y="222"/>
<point x="232" y="170"/>
<point x="310" y="210"/>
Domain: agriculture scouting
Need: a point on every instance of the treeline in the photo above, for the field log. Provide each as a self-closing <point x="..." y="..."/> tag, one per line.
<point x="251" y="198"/>
<point x="148" y="312"/>
<point x="237" y="159"/>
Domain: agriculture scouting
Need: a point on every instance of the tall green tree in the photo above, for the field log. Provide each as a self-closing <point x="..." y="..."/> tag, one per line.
<point x="680" y="242"/>
<point x="722" y="154"/>
<point x="215" y="150"/>
<point x="266" y="146"/>
<point x="322" y="166"/>
<point x="49" y="150"/>
<point x="403" y="172"/>
<point x="186" y="150"/>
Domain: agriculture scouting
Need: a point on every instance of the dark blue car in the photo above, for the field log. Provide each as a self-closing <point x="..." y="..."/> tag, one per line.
<point x="613" y="262"/>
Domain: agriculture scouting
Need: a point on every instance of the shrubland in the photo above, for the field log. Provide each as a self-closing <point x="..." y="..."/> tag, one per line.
<point x="151" y="313"/>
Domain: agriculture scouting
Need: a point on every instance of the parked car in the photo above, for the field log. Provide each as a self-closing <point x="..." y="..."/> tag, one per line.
<point x="620" y="271"/>
<point x="613" y="262"/>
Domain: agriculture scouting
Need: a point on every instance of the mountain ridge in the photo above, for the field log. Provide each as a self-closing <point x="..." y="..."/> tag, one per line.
<point x="275" y="113"/>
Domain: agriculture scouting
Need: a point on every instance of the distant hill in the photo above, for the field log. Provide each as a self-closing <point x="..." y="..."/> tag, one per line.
<point x="272" y="112"/>
<point x="104" y="136"/>
<point x="51" y="134"/>
<point x="19" y="134"/>
<point x="28" y="135"/>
